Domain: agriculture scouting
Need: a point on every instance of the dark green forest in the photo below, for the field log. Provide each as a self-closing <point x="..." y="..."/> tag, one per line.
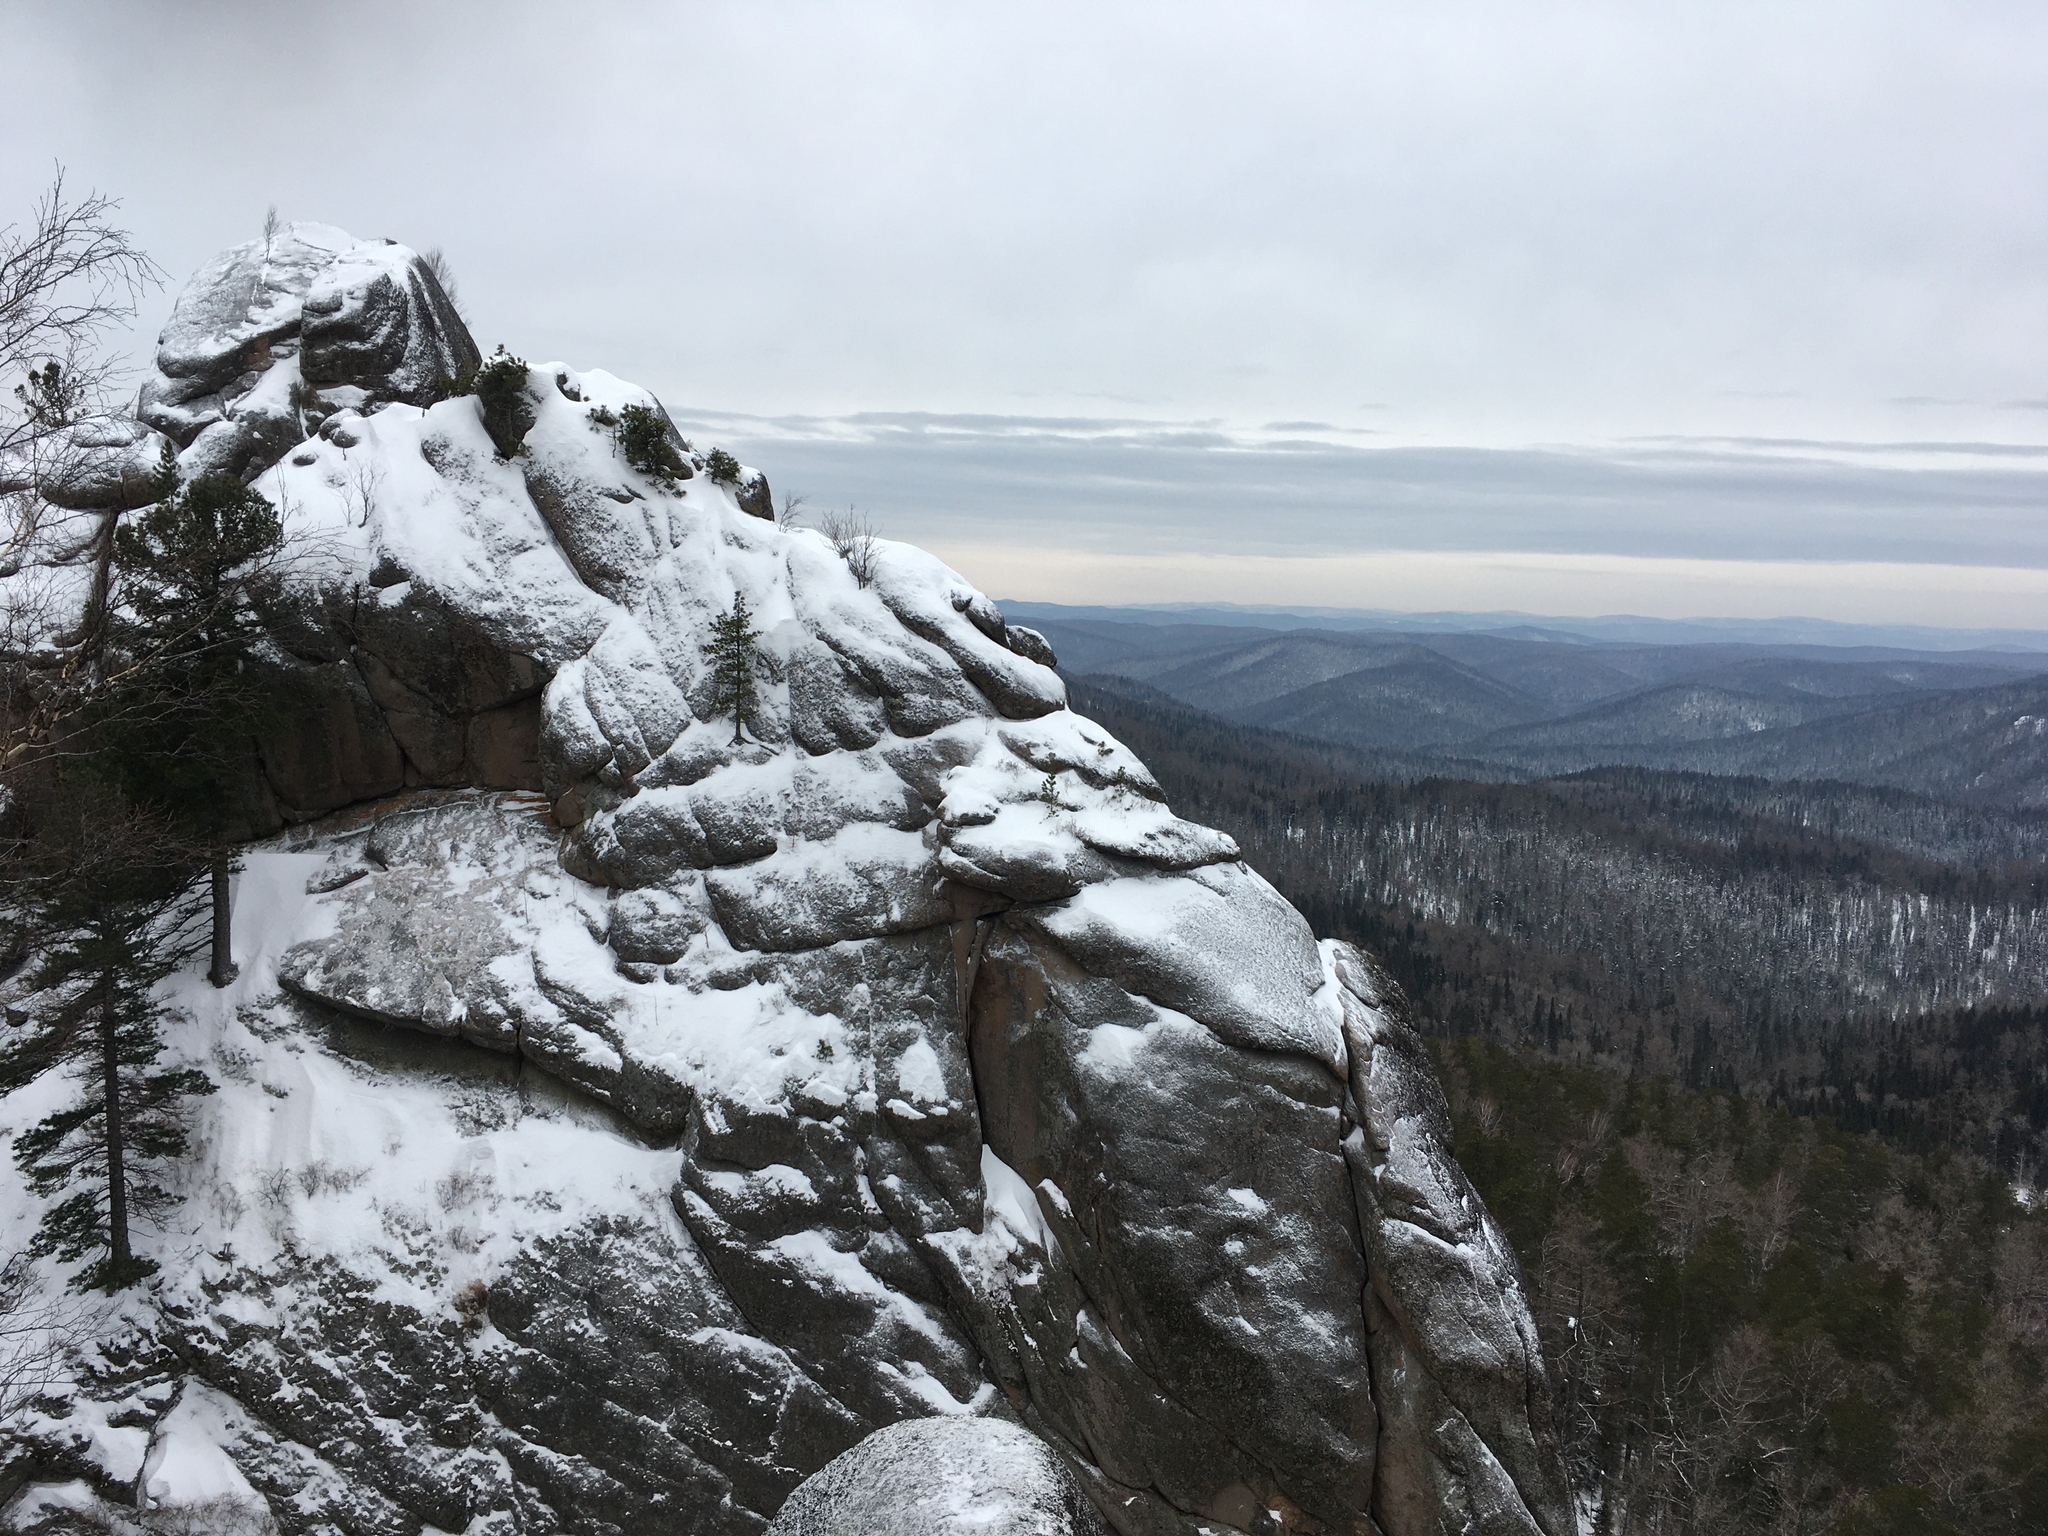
<point x="1753" y="1075"/>
<point x="1759" y="1321"/>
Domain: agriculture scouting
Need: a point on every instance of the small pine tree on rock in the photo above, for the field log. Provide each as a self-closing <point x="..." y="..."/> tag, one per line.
<point x="109" y="898"/>
<point x="644" y="438"/>
<point x="722" y="467"/>
<point x="500" y="389"/>
<point x="731" y="652"/>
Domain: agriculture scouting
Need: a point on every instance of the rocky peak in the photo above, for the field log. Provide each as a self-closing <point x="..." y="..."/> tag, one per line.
<point x="975" y="1081"/>
<point x="273" y="336"/>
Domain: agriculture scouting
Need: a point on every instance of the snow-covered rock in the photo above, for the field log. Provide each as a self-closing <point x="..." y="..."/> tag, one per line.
<point x="619" y="1121"/>
<point x="941" y="1477"/>
<point x="274" y="335"/>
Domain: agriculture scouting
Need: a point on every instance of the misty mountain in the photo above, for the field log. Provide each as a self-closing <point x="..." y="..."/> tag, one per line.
<point x="1982" y="745"/>
<point x="1604" y="629"/>
<point x="1532" y="703"/>
<point x="1413" y="700"/>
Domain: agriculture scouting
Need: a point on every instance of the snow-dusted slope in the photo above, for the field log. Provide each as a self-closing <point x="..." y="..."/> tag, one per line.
<point x="618" y="1122"/>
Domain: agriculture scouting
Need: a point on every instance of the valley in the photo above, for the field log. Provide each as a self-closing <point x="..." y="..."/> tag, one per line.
<point x="1970" y="726"/>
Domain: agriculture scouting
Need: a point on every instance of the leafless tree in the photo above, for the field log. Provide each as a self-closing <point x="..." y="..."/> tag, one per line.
<point x="1768" y="1220"/>
<point x="853" y="534"/>
<point x="35" y="1336"/>
<point x="444" y="274"/>
<point x="68" y="276"/>
<point x="2020" y="1268"/>
<point x="362" y="482"/>
<point x="791" y="513"/>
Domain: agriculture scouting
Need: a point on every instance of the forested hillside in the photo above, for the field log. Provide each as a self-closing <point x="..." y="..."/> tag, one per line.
<point x="1760" y="1322"/>
<point x="1670" y="1009"/>
<point x="1961" y="725"/>
<point x="1876" y="955"/>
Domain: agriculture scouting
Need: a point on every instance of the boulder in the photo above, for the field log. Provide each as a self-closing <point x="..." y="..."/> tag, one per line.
<point x="1203" y="1269"/>
<point x="754" y="497"/>
<point x="941" y="1477"/>
<point x="106" y="465"/>
<point x="227" y="319"/>
<point x="375" y="319"/>
<point x="272" y="336"/>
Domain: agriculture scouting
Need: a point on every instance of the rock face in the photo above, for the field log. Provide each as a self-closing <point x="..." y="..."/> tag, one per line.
<point x="272" y="337"/>
<point x="941" y="1477"/>
<point x="978" y="1082"/>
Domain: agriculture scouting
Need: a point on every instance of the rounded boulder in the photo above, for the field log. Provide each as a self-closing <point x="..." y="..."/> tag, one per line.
<point x="942" y="1477"/>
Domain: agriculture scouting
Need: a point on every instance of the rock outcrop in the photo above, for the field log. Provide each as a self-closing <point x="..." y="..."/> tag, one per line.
<point x="984" y="1085"/>
<point x="270" y="338"/>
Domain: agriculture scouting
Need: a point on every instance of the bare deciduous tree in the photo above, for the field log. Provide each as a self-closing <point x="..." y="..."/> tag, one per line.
<point x="790" y="514"/>
<point x="362" y="483"/>
<point x="68" y="276"/>
<point x="444" y="274"/>
<point x="853" y="534"/>
<point x="35" y="1335"/>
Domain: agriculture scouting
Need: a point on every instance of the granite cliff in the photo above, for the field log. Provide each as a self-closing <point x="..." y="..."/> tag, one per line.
<point x="618" y="1122"/>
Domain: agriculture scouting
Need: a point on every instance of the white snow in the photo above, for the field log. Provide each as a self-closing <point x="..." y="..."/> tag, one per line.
<point x="1010" y="1200"/>
<point x="415" y="1183"/>
<point x="1249" y="1200"/>
<point x="919" y="1074"/>
<point x="186" y="1464"/>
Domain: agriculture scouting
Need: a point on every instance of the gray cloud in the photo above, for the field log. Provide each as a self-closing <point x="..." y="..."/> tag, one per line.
<point x="1154" y="486"/>
<point x="1720" y="280"/>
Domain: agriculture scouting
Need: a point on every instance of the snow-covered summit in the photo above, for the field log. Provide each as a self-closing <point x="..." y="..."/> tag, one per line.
<point x="289" y="327"/>
<point x="976" y="1081"/>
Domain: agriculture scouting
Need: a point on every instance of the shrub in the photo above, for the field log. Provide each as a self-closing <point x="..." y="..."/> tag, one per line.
<point x="500" y="388"/>
<point x="642" y="434"/>
<point x="853" y="536"/>
<point x="473" y="1306"/>
<point x="722" y="467"/>
<point x="508" y="413"/>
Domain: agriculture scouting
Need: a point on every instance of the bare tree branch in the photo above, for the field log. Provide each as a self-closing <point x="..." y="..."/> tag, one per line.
<point x="853" y="535"/>
<point x="36" y="1334"/>
<point x="67" y="278"/>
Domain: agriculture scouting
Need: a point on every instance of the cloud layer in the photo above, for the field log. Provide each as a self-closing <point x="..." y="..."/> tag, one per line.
<point x="1123" y="487"/>
<point x="1189" y="278"/>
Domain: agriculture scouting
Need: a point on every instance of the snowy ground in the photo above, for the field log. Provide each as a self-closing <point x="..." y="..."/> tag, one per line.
<point x="420" y="1165"/>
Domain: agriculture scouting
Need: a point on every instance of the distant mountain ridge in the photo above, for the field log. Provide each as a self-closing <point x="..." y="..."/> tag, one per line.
<point x="1970" y="725"/>
<point x="1614" y="628"/>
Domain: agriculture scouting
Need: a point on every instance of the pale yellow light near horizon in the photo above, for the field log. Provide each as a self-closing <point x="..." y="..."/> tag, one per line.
<point x="1977" y="596"/>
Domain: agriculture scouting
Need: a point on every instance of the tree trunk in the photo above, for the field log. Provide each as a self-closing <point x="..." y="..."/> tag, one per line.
<point x="119" y="1260"/>
<point x="223" y="969"/>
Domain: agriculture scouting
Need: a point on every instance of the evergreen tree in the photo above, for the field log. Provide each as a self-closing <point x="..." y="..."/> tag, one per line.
<point x="730" y="650"/>
<point x="184" y="692"/>
<point x="107" y="896"/>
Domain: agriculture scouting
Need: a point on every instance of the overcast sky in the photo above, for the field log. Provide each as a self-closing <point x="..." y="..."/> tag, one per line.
<point x="1713" y="309"/>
